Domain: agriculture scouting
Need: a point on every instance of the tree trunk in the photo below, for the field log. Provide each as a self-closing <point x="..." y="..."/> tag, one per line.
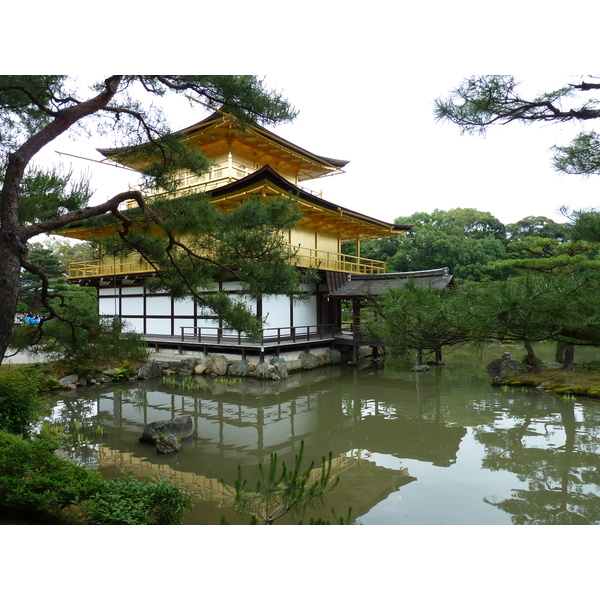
<point x="565" y="354"/>
<point x="10" y="269"/>
<point x="13" y="238"/>
<point x="531" y="359"/>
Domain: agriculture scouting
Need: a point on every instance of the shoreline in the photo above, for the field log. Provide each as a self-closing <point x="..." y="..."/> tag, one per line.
<point x="578" y="382"/>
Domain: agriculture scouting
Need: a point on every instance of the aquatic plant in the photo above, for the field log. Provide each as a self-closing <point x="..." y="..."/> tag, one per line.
<point x="188" y="384"/>
<point x="191" y="384"/>
<point x="229" y="380"/>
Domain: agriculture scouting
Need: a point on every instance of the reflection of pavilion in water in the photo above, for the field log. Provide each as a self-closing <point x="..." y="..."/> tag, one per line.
<point x="362" y="482"/>
<point x="358" y="419"/>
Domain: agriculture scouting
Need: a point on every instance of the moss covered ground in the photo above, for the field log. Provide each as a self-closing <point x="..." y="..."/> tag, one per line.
<point x="581" y="381"/>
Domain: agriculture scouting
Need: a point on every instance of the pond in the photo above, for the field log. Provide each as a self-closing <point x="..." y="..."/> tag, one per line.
<point x="440" y="447"/>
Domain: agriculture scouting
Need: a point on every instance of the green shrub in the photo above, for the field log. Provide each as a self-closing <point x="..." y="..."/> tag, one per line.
<point x="19" y="400"/>
<point x="35" y="481"/>
<point x="129" y="501"/>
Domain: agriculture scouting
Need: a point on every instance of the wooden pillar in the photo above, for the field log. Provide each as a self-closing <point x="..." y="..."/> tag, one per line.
<point x="259" y="308"/>
<point x="356" y="304"/>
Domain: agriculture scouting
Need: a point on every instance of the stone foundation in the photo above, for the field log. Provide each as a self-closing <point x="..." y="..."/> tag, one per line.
<point x="277" y="368"/>
<point x="162" y="364"/>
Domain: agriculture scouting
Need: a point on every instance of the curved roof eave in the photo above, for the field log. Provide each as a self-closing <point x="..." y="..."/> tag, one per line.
<point x="269" y="174"/>
<point x="215" y="116"/>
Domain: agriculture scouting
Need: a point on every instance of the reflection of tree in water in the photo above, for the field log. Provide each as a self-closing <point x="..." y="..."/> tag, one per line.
<point x="562" y="478"/>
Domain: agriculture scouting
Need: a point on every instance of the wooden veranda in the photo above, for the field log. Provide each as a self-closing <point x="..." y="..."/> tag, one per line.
<point x="273" y="341"/>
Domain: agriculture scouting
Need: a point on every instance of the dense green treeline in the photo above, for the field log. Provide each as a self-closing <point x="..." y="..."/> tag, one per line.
<point x="528" y="281"/>
<point x="531" y="281"/>
<point x="467" y="241"/>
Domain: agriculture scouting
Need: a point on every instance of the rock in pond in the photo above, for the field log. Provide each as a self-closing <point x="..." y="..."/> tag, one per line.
<point x="180" y="427"/>
<point x="167" y="444"/>
<point x="150" y="370"/>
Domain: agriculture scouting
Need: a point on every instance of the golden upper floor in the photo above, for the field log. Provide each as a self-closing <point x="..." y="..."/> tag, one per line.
<point x="249" y="161"/>
<point x="238" y="149"/>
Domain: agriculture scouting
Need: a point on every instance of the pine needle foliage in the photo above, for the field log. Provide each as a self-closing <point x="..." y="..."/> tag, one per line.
<point x="281" y="490"/>
<point x="35" y="110"/>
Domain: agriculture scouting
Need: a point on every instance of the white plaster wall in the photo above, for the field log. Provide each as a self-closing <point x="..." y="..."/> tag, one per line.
<point x="208" y="323"/>
<point x="106" y="305"/>
<point x="276" y="311"/>
<point x="158" y="305"/>
<point x="248" y="302"/>
<point x="232" y="286"/>
<point x="184" y="307"/>
<point x="305" y="312"/>
<point x="158" y="326"/>
<point x="132" y="306"/>
<point x="179" y="323"/>
<point x="136" y="325"/>
<point x="134" y="289"/>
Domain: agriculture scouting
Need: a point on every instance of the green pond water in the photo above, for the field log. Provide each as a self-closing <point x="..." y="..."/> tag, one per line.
<point x="441" y="447"/>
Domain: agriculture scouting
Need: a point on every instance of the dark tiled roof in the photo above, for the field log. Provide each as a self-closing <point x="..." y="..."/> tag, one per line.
<point x="363" y="286"/>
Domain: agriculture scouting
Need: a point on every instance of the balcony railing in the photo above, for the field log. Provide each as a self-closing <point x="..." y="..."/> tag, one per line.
<point x="271" y="336"/>
<point x="108" y="268"/>
<point x="320" y="259"/>
<point x="333" y="261"/>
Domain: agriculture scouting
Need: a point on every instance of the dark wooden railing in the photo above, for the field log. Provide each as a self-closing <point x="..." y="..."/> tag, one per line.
<point x="273" y="335"/>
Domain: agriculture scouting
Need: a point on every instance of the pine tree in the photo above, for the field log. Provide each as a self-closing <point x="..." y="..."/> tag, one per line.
<point x="35" y="110"/>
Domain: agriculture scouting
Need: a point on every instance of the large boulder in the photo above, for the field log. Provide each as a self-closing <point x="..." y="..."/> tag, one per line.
<point x="202" y="365"/>
<point x="150" y="370"/>
<point x="69" y="382"/>
<point x="217" y="364"/>
<point x="239" y="368"/>
<point x="495" y="366"/>
<point x="512" y="367"/>
<point x="335" y="356"/>
<point x="180" y="427"/>
<point x="506" y="366"/>
<point x="263" y="371"/>
<point x="280" y="367"/>
<point x="186" y="366"/>
<point x="308" y="361"/>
